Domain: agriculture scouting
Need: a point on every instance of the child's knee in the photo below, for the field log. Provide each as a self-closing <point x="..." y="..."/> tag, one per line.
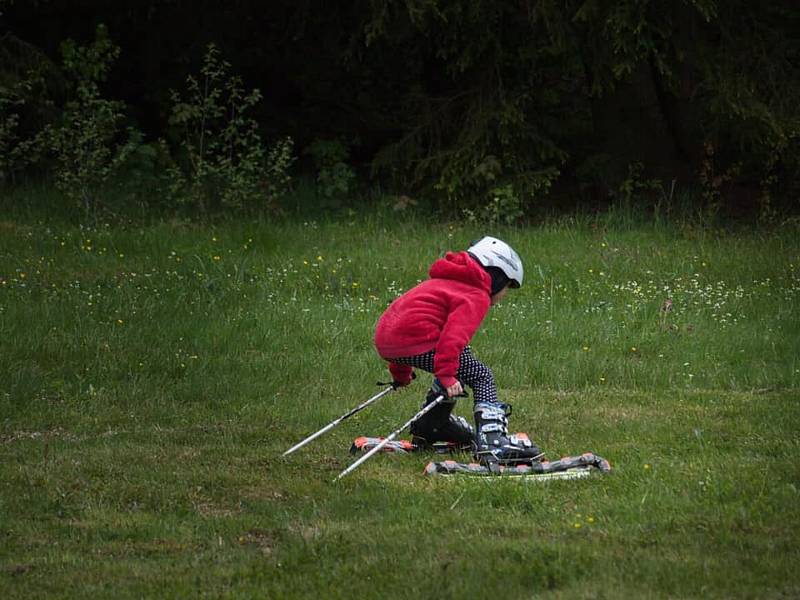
<point x="482" y="375"/>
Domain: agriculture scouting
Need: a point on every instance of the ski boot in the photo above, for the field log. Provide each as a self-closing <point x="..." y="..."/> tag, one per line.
<point x="438" y="425"/>
<point x="493" y="445"/>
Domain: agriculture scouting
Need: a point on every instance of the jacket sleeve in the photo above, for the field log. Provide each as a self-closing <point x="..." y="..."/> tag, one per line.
<point x="402" y="374"/>
<point x="462" y="323"/>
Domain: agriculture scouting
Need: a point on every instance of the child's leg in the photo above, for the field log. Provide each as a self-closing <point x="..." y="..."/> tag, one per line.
<point x="471" y="372"/>
<point x="477" y="376"/>
<point x="493" y="441"/>
<point x="438" y="425"/>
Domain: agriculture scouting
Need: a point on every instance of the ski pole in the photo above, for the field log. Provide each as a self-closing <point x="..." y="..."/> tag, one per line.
<point x="345" y="416"/>
<point x="391" y="436"/>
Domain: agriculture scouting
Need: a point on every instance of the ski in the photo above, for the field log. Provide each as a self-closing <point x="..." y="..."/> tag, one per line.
<point x="567" y="467"/>
<point x="366" y="443"/>
<point x="451" y="470"/>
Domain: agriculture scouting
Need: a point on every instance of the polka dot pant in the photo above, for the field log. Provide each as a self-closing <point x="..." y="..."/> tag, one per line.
<point x="471" y="372"/>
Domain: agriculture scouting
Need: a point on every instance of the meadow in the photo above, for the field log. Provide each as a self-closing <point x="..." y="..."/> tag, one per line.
<point x="151" y="375"/>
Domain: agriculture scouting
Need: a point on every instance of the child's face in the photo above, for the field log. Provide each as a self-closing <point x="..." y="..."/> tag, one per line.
<point x="498" y="297"/>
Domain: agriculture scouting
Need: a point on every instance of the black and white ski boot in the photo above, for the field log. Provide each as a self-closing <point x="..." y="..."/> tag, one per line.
<point x="439" y="425"/>
<point x="493" y="445"/>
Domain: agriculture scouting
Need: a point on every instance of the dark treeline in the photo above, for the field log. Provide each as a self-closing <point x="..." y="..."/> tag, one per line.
<point x="454" y="100"/>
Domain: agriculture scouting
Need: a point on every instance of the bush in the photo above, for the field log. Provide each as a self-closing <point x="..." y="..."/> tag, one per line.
<point x="334" y="176"/>
<point x="85" y="142"/>
<point x="223" y="161"/>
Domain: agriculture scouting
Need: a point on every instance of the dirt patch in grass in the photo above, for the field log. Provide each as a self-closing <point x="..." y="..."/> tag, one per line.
<point x="263" y="540"/>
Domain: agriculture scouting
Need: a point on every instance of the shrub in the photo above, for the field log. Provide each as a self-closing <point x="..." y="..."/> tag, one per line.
<point x="334" y="176"/>
<point x="85" y="141"/>
<point x="223" y="162"/>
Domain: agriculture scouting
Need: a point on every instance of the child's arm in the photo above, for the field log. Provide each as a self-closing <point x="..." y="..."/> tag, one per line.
<point x="462" y="323"/>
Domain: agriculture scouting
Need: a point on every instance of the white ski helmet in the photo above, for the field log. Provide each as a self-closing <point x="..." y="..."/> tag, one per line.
<point x="491" y="252"/>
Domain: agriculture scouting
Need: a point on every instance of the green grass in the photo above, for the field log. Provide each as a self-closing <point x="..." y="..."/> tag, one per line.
<point x="152" y="375"/>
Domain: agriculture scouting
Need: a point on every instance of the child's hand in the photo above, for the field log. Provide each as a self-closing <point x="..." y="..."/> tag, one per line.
<point x="455" y="390"/>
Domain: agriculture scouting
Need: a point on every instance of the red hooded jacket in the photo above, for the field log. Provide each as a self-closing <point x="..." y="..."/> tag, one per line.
<point x="441" y="314"/>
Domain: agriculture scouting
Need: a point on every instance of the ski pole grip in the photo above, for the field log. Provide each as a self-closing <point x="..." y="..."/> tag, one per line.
<point x="396" y="384"/>
<point x="438" y="388"/>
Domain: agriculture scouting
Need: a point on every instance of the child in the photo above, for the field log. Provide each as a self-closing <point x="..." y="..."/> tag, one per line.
<point x="430" y="326"/>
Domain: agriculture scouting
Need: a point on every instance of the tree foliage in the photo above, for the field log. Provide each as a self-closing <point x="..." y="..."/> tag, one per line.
<point x="525" y="91"/>
<point x="452" y="100"/>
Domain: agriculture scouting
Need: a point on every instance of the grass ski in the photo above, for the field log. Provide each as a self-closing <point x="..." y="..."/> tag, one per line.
<point x="366" y="443"/>
<point x="451" y="470"/>
<point x="567" y="467"/>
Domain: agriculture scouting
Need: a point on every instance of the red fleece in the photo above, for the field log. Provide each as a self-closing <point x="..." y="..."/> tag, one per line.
<point x="441" y="314"/>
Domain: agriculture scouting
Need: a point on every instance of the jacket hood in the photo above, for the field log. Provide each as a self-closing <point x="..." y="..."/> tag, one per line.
<point x="460" y="266"/>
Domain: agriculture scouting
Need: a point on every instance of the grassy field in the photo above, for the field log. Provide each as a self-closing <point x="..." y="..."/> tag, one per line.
<point x="152" y="375"/>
